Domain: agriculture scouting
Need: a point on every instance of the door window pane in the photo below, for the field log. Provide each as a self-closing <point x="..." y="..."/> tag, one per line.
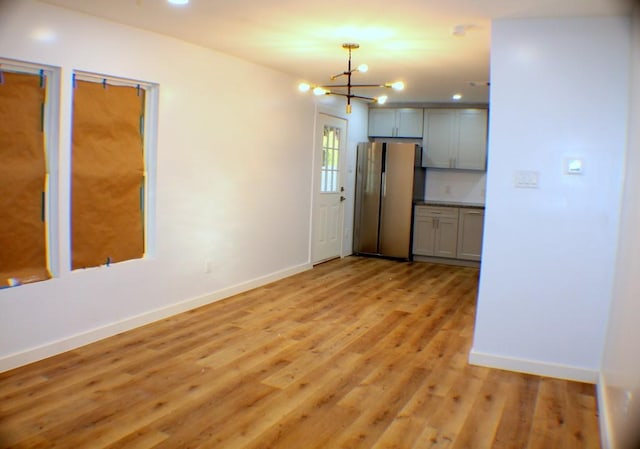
<point x="330" y="160"/>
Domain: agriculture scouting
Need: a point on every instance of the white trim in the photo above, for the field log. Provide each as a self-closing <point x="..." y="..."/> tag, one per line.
<point x="56" y="347"/>
<point x="536" y="367"/>
<point x="150" y="141"/>
<point x="111" y="80"/>
<point x="603" y="416"/>
<point x="17" y="66"/>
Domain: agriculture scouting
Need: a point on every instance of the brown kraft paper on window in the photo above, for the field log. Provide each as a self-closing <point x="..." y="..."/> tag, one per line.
<point x="23" y="252"/>
<point x="107" y="175"/>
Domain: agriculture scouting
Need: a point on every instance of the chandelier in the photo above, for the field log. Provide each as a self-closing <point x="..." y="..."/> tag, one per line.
<point x="346" y="90"/>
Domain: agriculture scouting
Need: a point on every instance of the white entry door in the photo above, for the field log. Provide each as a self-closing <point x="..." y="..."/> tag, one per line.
<point x="328" y="210"/>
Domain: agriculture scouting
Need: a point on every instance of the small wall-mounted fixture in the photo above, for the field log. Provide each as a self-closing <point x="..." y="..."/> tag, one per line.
<point x="346" y="90"/>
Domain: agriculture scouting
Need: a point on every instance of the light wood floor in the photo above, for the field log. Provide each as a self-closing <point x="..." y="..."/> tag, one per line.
<point x="356" y="353"/>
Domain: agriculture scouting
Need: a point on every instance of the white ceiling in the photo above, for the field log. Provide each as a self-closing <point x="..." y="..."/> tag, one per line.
<point x="409" y="40"/>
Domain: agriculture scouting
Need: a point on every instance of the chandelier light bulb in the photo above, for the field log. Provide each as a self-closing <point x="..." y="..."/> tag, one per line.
<point x="319" y="91"/>
<point x="346" y="89"/>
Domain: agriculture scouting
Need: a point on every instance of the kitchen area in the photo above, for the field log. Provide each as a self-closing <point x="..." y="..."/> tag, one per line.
<point x="420" y="184"/>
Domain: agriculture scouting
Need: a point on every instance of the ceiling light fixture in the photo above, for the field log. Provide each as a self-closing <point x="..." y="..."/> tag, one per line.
<point x="178" y="2"/>
<point x="456" y="97"/>
<point x="346" y="90"/>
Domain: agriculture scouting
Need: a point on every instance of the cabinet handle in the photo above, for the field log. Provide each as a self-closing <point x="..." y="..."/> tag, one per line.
<point x="472" y="213"/>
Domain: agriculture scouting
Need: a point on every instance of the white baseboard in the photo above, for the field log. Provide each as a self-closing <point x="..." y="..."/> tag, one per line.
<point x="75" y="341"/>
<point x="533" y="367"/>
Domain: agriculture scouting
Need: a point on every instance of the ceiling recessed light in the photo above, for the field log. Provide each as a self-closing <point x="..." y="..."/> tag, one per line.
<point x="456" y="97"/>
<point x="178" y="2"/>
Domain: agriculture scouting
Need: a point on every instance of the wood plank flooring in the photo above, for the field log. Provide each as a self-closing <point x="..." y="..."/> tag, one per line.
<point x="356" y="353"/>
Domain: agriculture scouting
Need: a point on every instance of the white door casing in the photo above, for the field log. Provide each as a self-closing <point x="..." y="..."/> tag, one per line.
<point x="328" y="209"/>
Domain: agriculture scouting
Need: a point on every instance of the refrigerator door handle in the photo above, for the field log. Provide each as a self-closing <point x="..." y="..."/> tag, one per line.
<point x="384" y="184"/>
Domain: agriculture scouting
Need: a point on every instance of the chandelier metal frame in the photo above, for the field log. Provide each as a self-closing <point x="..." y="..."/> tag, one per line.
<point x="326" y="89"/>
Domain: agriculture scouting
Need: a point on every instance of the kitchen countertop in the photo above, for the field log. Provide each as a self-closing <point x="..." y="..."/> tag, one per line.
<point x="448" y="204"/>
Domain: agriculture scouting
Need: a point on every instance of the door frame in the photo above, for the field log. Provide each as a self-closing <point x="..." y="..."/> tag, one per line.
<point x="315" y="179"/>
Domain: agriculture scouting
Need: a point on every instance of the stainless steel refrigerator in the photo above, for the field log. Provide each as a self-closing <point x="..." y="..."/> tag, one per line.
<point x="389" y="177"/>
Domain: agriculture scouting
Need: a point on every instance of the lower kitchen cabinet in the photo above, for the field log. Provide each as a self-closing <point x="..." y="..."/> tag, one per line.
<point x="470" y="226"/>
<point x="435" y="231"/>
<point x="448" y="232"/>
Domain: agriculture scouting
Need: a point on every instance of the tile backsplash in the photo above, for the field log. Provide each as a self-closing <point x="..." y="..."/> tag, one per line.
<point x="455" y="185"/>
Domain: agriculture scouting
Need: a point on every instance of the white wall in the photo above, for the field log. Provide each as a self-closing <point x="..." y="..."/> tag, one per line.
<point x="234" y="161"/>
<point x="559" y="89"/>
<point x="619" y="386"/>
<point x="452" y="185"/>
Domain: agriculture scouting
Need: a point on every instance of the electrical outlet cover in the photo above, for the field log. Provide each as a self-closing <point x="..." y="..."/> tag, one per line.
<point x="523" y="179"/>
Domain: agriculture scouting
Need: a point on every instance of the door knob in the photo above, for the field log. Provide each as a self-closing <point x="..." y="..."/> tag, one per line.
<point x="342" y="198"/>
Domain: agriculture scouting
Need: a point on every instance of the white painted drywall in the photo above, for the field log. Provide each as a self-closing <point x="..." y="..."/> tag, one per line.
<point x="455" y="185"/>
<point x="234" y="161"/>
<point x="559" y="89"/>
<point x="619" y="388"/>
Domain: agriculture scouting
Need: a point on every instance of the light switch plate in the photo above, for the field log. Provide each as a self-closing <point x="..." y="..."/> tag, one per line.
<point x="523" y="179"/>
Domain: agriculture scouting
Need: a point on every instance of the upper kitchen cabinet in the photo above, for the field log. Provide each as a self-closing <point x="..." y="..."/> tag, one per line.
<point x="399" y="122"/>
<point x="455" y="138"/>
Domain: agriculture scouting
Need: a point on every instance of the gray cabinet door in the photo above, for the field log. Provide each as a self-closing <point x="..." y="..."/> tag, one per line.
<point x="471" y="224"/>
<point x="435" y="231"/>
<point x="455" y="138"/>
<point x="409" y="123"/>
<point x="438" y="138"/>
<point x="396" y="122"/>
<point x="382" y="122"/>
<point x="471" y="139"/>
<point x="423" y="235"/>
<point x="446" y="243"/>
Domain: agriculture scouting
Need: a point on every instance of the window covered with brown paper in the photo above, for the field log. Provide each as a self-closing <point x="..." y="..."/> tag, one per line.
<point x="107" y="220"/>
<point x="23" y="250"/>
